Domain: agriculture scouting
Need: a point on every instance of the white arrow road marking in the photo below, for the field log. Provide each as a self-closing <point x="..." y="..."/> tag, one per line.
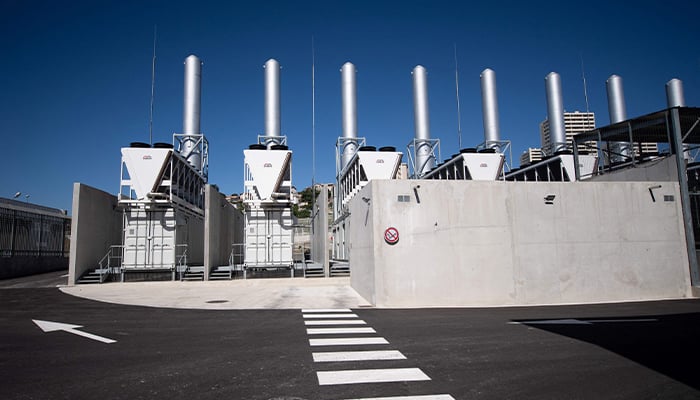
<point x="49" y="326"/>
<point x="571" y="321"/>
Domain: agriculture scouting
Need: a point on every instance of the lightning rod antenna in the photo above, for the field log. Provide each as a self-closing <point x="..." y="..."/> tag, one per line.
<point x="585" y="88"/>
<point x="459" y="114"/>
<point x="153" y="85"/>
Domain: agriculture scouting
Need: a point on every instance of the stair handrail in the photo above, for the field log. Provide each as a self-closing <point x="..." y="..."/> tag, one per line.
<point x="106" y="270"/>
<point x="240" y="253"/>
<point x="180" y="259"/>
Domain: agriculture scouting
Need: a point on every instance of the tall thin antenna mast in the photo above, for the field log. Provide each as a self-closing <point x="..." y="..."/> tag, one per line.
<point x="153" y="85"/>
<point x="585" y="89"/>
<point x="313" y="132"/>
<point x="459" y="114"/>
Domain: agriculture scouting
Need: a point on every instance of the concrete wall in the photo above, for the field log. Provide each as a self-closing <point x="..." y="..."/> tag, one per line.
<point x="468" y="243"/>
<point x="319" y="241"/>
<point x="97" y="224"/>
<point x="223" y="226"/>
<point x="663" y="169"/>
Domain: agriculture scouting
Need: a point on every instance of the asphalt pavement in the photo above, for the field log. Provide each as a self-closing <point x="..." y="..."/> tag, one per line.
<point x="645" y="350"/>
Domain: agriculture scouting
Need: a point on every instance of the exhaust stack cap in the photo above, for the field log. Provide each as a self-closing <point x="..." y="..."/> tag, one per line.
<point x="349" y="95"/>
<point x="616" y="99"/>
<point x="272" y="101"/>
<point x="424" y="161"/>
<point x="674" y="93"/>
<point x="489" y="103"/>
<point x="192" y="111"/>
<point x="555" y="111"/>
<point x="193" y="95"/>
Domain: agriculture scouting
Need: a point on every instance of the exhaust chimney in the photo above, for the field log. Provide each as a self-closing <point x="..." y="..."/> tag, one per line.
<point x="555" y="112"/>
<point x="489" y="104"/>
<point x="675" y="98"/>
<point x="424" y="160"/>
<point x="272" y="102"/>
<point x="349" y="93"/>
<point x="618" y="113"/>
<point x="674" y="93"/>
<point x="191" y="111"/>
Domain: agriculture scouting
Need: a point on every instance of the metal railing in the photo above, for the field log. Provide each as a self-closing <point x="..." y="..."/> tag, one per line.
<point x="181" y="265"/>
<point x="111" y="262"/>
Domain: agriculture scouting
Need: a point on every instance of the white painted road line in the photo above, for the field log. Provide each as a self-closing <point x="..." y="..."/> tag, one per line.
<point x="338" y="331"/>
<point x="319" y="316"/>
<point x="335" y="322"/>
<point x="370" y="376"/>
<point x="325" y="310"/>
<point x="571" y="321"/>
<point x="336" y="356"/>
<point x="426" y="397"/>
<point x="347" y="341"/>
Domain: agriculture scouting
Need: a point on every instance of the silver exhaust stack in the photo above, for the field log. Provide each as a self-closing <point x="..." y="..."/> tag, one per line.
<point x="674" y="93"/>
<point x="489" y="103"/>
<point x="349" y="94"/>
<point x="618" y="113"/>
<point x="555" y="112"/>
<point x="191" y="111"/>
<point x="272" y="102"/>
<point x="675" y="98"/>
<point x="424" y="160"/>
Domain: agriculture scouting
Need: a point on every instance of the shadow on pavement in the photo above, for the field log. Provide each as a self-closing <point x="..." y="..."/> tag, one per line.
<point x="667" y="344"/>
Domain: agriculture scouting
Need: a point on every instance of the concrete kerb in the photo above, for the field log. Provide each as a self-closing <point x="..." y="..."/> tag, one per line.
<point x="270" y="293"/>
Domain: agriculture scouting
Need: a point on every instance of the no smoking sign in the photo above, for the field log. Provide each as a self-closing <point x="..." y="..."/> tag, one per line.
<point x="391" y="235"/>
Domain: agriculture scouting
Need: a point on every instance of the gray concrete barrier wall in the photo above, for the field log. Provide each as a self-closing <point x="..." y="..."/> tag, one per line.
<point x="468" y="243"/>
<point x="223" y="226"/>
<point x="96" y="226"/>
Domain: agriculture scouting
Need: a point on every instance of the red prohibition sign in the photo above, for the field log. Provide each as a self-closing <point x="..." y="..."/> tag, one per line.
<point x="391" y="235"/>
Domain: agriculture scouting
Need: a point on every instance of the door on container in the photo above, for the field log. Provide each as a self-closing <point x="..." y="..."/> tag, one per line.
<point x="136" y="232"/>
<point x="279" y="242"/>
<point x="255" y="241"/>
<point x="161" y="240"/>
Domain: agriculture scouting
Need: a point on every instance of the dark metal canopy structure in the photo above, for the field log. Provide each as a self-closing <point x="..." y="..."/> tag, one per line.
<point x="654" y="127"/>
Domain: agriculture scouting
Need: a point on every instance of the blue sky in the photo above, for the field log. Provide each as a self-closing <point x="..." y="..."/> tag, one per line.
<point x="76" y="76"/>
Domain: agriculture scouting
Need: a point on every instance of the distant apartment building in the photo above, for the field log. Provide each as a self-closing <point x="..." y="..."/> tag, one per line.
<point x="574" y="123"/>
<point x="531" y="155"/>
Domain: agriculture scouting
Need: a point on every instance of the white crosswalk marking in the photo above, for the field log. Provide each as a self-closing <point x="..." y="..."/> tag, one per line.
<point x="319" y="316"/>
<point x="338" y="331"/>
<point x="314" y="322"/>
<point x="347" y="341"/>
<point x="427" y="397"/>
<point x="370" y="376"/>
<point x="336" y="356"/>
<point x="339" y="319"/>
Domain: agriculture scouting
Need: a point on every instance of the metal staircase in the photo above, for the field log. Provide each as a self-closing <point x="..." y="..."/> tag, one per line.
<point x="340" y="269"/>
<point x="193" y="273"/>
